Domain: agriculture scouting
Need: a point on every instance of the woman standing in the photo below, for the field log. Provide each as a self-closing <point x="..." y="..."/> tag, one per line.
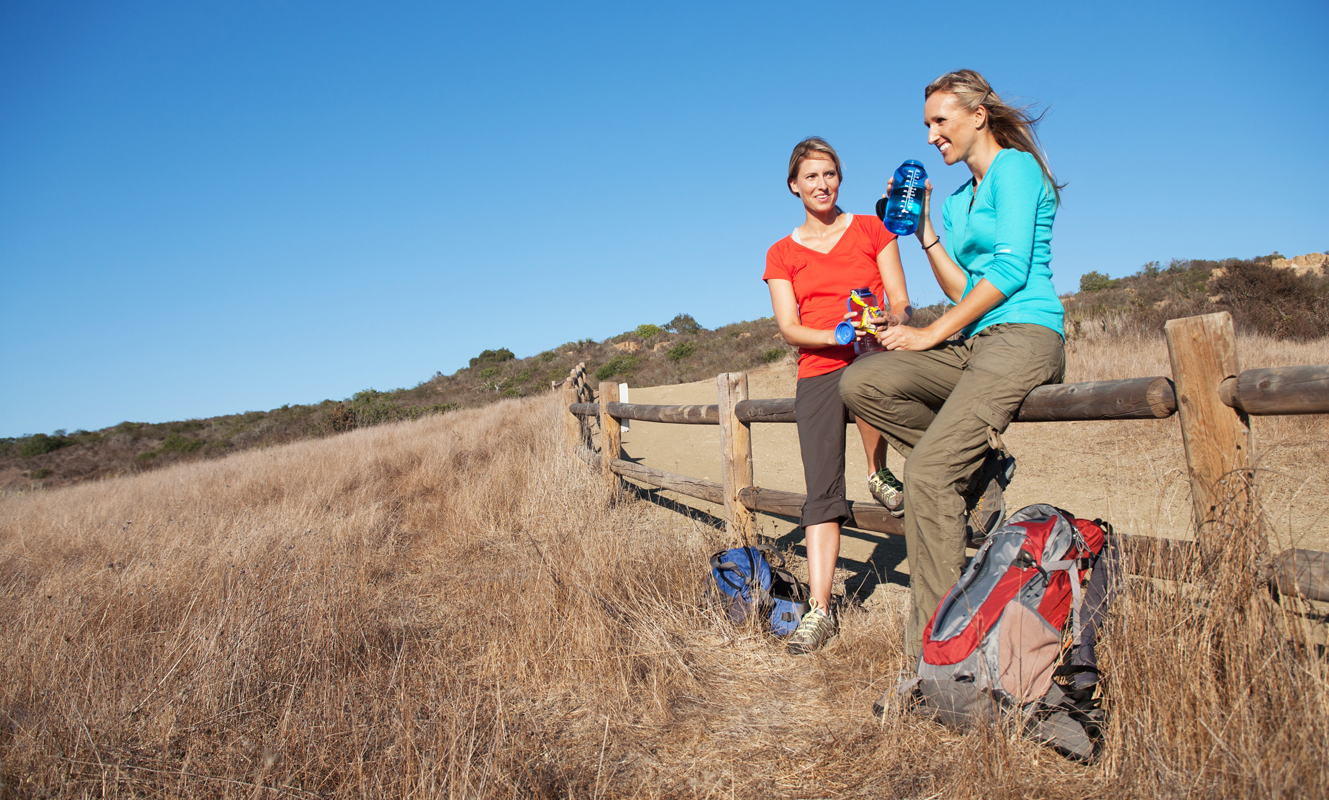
<point x="939" y="399"/>
<point x="810" y="274"/>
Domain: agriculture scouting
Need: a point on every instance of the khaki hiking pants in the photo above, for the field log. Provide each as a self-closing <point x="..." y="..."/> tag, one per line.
<point x="936" y="407"/>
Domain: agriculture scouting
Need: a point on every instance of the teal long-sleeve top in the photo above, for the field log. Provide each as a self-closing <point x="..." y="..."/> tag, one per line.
<point x="1005" y="236"/>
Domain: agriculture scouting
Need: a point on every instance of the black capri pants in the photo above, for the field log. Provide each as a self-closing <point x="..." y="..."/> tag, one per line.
<point x="821" y="417"/>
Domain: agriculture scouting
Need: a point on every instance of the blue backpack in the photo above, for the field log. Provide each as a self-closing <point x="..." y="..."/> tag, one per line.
<point x="748" y="585"/>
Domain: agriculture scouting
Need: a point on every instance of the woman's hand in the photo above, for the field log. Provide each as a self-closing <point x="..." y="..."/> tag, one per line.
<point x="925" y="218"/>
<point x="902" y="337"/>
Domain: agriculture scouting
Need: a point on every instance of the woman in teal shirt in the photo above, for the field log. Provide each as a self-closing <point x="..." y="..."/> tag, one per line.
<point x="941" y="399"/>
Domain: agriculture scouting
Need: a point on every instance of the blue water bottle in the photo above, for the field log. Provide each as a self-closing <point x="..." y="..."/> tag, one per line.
<point x="902" y="210"/>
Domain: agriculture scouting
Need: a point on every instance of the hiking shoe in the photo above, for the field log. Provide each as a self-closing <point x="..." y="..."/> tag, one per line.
<point x="888" y="491"/>
<point x="812" y="632"/>
<point x="986" y="509"/>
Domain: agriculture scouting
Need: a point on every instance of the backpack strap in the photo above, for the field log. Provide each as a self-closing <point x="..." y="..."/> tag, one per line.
<point x="1070" y="565"/>
<point x="753" y="582"/>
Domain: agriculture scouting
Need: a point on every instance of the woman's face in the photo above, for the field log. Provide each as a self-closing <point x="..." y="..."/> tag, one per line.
<point x="817" y="183"/>
<point x="951" y="129"/>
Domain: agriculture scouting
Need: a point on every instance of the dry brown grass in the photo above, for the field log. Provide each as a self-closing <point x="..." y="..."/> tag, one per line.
<point x="457" y="608"/>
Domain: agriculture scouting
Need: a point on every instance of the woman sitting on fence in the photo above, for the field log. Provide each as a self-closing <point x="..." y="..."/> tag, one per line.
<point x="810" y="274"/>
<point x="938" y="399"/>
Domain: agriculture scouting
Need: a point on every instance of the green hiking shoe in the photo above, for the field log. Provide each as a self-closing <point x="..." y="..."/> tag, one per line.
<point x="986" y="509"/>
<point x="812" y="632"/>
<point x="888" y="491"/>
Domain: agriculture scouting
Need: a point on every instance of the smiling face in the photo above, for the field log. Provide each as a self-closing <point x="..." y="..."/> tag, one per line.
<point x="952" y="129"/>
<point x="817" y="183"/>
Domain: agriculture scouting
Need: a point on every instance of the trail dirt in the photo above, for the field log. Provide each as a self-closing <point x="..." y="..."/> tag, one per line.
<point x="1131" y="473"/>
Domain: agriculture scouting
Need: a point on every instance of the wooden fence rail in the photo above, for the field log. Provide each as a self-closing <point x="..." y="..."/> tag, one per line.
<point x="1213" y="398"/>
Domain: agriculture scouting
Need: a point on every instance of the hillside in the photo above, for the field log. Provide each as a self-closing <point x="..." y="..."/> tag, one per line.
<point x="459" y="607"/>
<point x="1271" y="295"/>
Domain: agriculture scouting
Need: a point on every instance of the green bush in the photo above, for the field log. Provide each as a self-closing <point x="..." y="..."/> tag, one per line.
<point x="1094" y="281"/>
<point x="620" y="365"/>
<point x="39" y="444"/>
<point x="175" y="443"/>
<point x="684" y="324"/>
<point x="772" y="355"/>
<point x="38" y="474"/>
<point x="681" y="351"/>
<point x="493" y="356"/>
<point x="648" y="331"/>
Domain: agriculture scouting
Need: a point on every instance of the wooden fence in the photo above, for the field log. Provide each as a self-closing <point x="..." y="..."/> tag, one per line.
<point x="1213" y="398"/>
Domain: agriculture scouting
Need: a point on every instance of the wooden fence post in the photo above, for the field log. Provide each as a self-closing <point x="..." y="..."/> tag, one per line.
<point x="1218" y="440"/>
<point x="572" y="423"/>
<point x="611" y="434"/>
<point x="736" y="459"/>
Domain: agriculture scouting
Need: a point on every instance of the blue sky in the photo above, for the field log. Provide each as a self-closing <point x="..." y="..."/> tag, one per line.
<point x="209" y="208"/>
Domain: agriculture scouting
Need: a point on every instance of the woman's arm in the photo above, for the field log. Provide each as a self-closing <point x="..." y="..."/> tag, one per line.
<point x="980" y="300"/>
<point x="949" y="276"/>
<point x="892" y="280"/>
<point x="785" y="306"/>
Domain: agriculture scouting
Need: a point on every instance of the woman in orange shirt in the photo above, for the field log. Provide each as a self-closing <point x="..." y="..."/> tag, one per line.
<point x="810" y="274"/>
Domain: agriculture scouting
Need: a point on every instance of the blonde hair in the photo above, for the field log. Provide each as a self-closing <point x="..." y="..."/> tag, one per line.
<point x="1012" y="127"/>
<point x="811" y="147"/>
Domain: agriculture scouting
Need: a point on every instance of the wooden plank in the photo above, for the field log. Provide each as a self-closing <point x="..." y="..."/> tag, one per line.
<point x="1137" y="398"/>
<point x="1157" y="558"/>
<point x="1302" y="572"/>
<point x="865" y="516"/>
<point x="585" y="409"/>
<point x="1169" y="559"/>
<point x="710" y="491"/>
<point x="779" y="409"/>
<point x="735" y="456"/>
<point x="1281" y="390"/>
<point x="680" y="415"/>
<point x="1203" y="352"/>
<point x="588" y="455"/>
<point x="611" y="432"/>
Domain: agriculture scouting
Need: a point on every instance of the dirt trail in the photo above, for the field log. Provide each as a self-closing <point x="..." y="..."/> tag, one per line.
<point x="1132" y="473"/>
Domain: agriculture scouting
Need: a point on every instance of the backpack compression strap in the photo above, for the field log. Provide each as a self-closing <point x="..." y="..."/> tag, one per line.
<point x="1071" y="566"/>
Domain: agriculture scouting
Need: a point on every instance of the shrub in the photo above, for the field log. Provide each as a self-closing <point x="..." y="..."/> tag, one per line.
<point x="1273" y="301"/>
<point x="1094" y="281"/>
<point x="38" y="474"/>
<point x="684" y="324"/>
<point x="175" y="443"/>
<point x="493" y="356"/>
<point x="648" y="331"/>
<point x="620" y="365"/>
<point x="772" y="355"/>
<point x="40" y="444"/>
<point x="681" y="351"/>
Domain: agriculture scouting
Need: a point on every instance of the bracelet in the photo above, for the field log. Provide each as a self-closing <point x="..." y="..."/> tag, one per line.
<point x="934" y="243"/>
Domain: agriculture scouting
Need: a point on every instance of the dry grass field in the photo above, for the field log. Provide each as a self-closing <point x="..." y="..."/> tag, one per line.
<point x="457" y="607"/>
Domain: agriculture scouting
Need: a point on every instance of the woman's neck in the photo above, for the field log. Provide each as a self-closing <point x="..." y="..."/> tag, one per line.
<point x="821" y="221"/>
<point x="985" y="150"/>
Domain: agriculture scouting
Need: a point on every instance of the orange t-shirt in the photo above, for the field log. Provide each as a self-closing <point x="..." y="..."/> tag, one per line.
<point x="822" y="282"/>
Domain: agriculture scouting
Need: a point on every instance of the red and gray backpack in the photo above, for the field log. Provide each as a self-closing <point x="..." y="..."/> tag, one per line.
<point x="996" y="639"/>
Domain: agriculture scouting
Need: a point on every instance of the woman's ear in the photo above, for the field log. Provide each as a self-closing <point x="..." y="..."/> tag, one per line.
<point x="792" y="190"/>
<point x="980" y="118"/>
